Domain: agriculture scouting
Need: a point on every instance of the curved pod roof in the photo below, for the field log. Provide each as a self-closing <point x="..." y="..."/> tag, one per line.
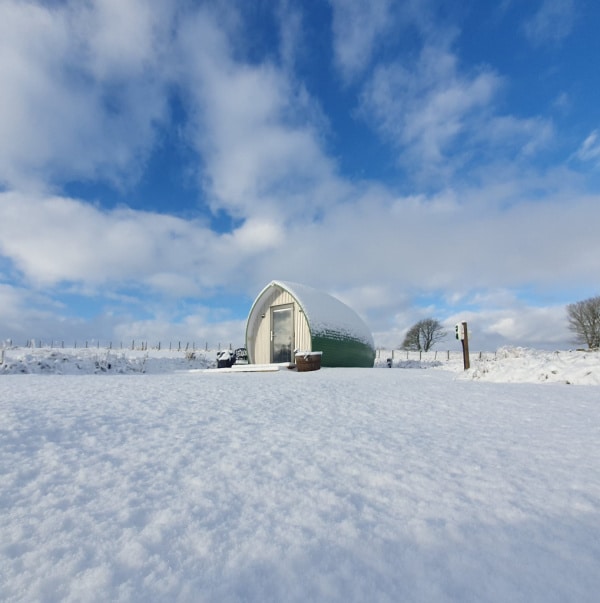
<point x="335" y="329"/>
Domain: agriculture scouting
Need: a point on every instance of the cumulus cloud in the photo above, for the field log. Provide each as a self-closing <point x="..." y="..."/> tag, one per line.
<point x="420" y="244"/>
<point x="253" y="129"/>
<point x="55" y="239"/>
<point x="198" y="328"/>
<point x="495" y="317"/>
<point x="33" y="316"/>
<point x="83" y="86"/>
<point x="28" y="314"/>
<point x="12" y="300"/>
<point x="414" y="246"/>
<point x="516" y="324"/>
<point x="258" y="235"/>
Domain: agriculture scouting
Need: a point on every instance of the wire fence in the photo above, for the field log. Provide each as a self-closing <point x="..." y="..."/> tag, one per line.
<point x="134" y="344"/>
<point x="383" y="355"/>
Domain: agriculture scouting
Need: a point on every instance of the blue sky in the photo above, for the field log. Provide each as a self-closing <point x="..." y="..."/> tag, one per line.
<point x="161" y="162"/>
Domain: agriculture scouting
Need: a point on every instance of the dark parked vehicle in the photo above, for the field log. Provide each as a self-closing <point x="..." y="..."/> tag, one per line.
<point x="241" y="356"/>
<point x="227" y="358"/>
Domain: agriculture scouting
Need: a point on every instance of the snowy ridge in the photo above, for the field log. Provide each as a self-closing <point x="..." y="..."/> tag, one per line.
<point x="507" y="365"/>
<point x="88" y="361"/>
<point x="522" y="365"/>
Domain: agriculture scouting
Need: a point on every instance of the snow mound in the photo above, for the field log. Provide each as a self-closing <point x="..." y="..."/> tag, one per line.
<point x="419" y="364"/>
<point x="522" y="365"/>
<point x="86" y="361"/>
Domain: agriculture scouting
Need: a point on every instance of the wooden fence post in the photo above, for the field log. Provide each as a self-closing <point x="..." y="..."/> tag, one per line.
<point x="465" y="346"/>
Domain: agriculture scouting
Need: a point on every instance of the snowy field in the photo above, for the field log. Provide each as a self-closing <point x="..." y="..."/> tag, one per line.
<point x="144" y="481"/>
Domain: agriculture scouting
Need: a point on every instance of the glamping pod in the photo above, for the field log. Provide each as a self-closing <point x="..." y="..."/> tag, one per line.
<point x="289" y="316"/>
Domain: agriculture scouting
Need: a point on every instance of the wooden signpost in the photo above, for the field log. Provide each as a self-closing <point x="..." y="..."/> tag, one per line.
<point x="463" y="334"/>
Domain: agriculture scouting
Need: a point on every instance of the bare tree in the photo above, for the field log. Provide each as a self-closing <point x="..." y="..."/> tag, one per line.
<point x="584" y="321"/>
<point x="423" y="335"/>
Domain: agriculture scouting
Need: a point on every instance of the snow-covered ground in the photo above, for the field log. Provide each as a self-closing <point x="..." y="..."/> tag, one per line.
<point x="515" y="365"/>
<point x="334" y="485"/>
<point x="86" y="361"/>
<point x="509" y="365"/>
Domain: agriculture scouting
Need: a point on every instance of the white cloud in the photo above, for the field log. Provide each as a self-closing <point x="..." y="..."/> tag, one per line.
<point x="290" y="33"/>
<point x="197" y="329"/>
<point x="590" y="148"/>
<point x="253" y="129"/>
<point x="55" y="239"/>
<point x="12" y="301"/>
<point x="495" y="317"/>
<point x="122" y="38"/>
<point x="28" y="314"/>
<point x="258" y="234"/>
<point x="357" y="27"/>
<point x="516" y="324"/>
<point x="428" y="245"/>
<point x="82" y="88"/>
<point x="489" y="328"/>
<point x="440" y="119"/>
<point x="378" y="252"/>
<point x="527" y="136"/>
<point x="552" y="22"/>
<point x="363" y="30"/>
<point x="88" y="83"/>
<point x="425" y="110"/>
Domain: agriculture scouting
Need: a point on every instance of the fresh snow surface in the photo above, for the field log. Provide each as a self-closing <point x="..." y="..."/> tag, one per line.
<point x="173" y="484"/>
<point x="523" y="365"/>
<point x="508" y="365"/>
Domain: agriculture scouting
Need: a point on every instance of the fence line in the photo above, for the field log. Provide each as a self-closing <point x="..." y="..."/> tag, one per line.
<point x="138" y="345"/>
<point x="383" y="355"/>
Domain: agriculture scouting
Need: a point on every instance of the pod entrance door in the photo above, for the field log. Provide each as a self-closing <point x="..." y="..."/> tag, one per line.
<point x="282" y="333"/>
